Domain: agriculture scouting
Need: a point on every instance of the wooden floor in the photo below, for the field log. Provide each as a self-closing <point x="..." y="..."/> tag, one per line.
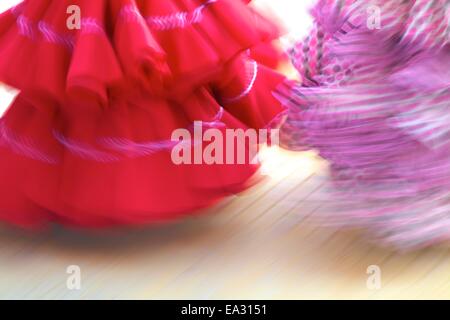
<point x="258" y="245"/>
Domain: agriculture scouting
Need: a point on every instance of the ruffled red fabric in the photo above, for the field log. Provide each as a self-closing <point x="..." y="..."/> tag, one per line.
<point x="88" y="140"/>
<point x="147" y="41"/>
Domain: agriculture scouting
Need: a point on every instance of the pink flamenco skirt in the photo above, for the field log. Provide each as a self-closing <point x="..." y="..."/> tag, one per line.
<point x="375" y="102"/>
<point x="87" y="142"/>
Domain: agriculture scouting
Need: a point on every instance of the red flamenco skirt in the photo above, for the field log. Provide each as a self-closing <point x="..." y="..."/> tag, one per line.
<point x="88" y="141"/>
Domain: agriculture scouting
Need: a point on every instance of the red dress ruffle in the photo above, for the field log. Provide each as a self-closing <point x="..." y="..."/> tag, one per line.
<point x="87" y="142"/>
